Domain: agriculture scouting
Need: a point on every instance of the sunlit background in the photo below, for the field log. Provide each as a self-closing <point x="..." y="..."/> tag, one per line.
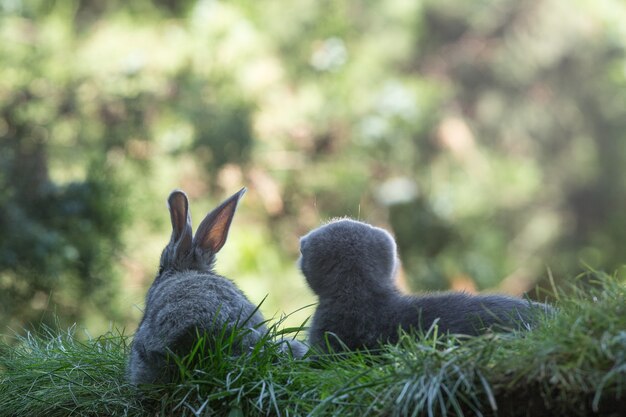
<point x="488" y="136"/>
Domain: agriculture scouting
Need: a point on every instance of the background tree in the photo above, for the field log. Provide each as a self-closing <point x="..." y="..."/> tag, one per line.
<point x="489" y="136"/>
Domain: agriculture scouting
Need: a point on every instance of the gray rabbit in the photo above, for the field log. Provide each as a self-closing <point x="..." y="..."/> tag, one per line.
<point x="188" y="297"/>
<point x="351" y="266"/>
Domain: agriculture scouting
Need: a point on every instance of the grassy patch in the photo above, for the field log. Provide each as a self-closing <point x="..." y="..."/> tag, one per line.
<point x="573" y="364"/>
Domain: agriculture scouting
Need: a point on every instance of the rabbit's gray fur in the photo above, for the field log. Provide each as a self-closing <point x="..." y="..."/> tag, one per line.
<point x="188" y="297"/>
<point x="351" y="266"/>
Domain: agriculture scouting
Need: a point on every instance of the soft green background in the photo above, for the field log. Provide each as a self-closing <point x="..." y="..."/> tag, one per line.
<point x="489" y="136"/>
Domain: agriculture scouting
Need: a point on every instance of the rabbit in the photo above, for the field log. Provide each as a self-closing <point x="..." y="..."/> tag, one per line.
<point x="351" y="266"/>
<point x="187" y="297"/>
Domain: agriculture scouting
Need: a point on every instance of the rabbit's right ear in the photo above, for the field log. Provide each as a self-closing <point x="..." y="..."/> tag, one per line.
<point x="213" y="231"/>
<point x="181" y="223"/>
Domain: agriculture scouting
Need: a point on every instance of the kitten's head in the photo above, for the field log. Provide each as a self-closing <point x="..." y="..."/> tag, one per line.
<point x="348" y="256"/>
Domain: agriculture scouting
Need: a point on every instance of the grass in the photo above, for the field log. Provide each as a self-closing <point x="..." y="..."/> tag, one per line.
<point x="573" y="364"/>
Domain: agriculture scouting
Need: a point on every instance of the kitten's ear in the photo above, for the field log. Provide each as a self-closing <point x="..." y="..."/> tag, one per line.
<point x="213" y="231"/>
<point x="180" y="242"/>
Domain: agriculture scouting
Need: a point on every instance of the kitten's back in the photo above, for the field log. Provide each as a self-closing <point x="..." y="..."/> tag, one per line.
<point x="462" y="313"/>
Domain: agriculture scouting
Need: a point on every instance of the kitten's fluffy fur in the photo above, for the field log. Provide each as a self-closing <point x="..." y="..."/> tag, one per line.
<point x="351" y="266"/>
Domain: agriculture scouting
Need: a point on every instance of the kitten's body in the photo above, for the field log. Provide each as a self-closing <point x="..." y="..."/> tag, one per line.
<point x="366" y="322"/>
<point x="351" y="267"/>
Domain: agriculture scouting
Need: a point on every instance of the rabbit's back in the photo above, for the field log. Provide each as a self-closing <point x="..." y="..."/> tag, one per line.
<point x="181" y="307"/>
<point x="195" y="300"/>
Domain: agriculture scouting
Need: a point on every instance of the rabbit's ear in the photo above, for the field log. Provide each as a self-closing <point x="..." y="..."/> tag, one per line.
<point x="181" y="223"/>
<point x="213" y="231"/>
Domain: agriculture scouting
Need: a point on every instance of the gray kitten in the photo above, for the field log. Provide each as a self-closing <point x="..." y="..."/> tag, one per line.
<point x="351" y="266"/>
<point x="188" y="297"/>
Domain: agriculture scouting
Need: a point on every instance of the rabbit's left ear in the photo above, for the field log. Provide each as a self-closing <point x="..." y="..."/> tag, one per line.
<point x="178" y="205"/>
<point x="213" y="231"/>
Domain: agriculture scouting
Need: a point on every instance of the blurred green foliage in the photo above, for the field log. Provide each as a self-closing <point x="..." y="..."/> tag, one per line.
<point x="489" y="136"/>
